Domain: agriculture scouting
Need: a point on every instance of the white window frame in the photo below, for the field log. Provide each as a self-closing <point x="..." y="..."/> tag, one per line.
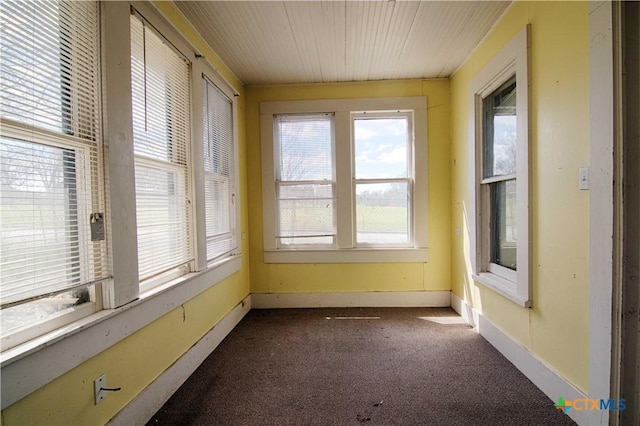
<point x="89" y="181"/>
<point x="514" y="285"/>
<point x="280" y="183"/>
<point x="345" y="250"/>
<point x="52" y="349"/>
<point x="201" y="69"/>
<point x="409" y="115"/>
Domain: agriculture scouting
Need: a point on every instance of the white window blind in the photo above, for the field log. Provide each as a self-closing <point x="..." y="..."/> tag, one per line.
<point x="305" y="179"/>
<point x="160" y="79"/>
<point x="218" y="171"/>
<point x="50" y="149"/>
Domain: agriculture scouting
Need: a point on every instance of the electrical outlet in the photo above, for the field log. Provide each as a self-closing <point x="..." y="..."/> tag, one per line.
<point x="98" y="388"/>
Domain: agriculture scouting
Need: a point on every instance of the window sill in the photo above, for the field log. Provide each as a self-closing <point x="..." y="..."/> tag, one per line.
<point x="360" y="255"/>
<point x="28" y="367"/>
<point x="503" y="287"/>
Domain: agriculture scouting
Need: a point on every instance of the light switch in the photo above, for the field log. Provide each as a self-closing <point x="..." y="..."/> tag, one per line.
<point x="584" y="178"/>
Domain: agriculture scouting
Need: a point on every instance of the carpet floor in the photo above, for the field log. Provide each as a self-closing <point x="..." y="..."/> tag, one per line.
<point x="355" y="366"/>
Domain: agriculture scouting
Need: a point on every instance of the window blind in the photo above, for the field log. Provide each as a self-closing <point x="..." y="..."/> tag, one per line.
<point x="50" y="149"/>
<point x="160" y="79"/>
<point x="305" y="179"/>
<point x="218" y="171"/>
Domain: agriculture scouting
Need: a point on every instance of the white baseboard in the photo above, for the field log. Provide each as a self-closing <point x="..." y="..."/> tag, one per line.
<point x="356" y="299"/>
<point x="545" y="378"/>
<point x="152" y="398"/>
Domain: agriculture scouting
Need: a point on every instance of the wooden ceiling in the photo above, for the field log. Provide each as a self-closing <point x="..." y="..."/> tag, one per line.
<point x="278" y="42"/>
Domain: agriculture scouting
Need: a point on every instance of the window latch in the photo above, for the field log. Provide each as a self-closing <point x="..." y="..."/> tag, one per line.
<point x="97" y="226"/>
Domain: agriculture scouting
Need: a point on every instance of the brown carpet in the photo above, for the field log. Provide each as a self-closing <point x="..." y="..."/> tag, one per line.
<point x="411" y="366"/>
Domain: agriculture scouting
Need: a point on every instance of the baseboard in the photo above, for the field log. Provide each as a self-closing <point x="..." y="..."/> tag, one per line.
<point x="152" y="398"/>
<point x="355" y="299"/>
<point x="545" y="378"/>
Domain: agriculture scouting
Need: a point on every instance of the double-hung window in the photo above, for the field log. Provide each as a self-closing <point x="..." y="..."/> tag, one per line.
<point x="305" y="180"/>
<point x="499" y="100"/>
<point x="383" y="182"/>
<point x="344" y="180"/>
<point x="160" y="80"/>
<point x="498" y="183"/>
<point x="219" y="173"/>
<point x="52" y="239"/>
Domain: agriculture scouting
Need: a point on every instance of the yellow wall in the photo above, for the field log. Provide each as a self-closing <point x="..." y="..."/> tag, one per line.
<point x="136" y="361"/>
<point x="556" y="328"/>
<point x="292" y="278"/>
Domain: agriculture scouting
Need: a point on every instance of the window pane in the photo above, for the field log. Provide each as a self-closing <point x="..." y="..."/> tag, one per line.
<point x="162" y="219"/>
<point x="503" y="223"/>
<point x="160" y="79"/>
<point x="218" y="130"/>
<point x="218" y="155"/>
<point x="40" y="251"/>
<point x="381" y="147"/>
<point x="500" y="131"/>
<point x="217" y="205"/>
<point x="306" y="212"/>
<point x="382" y="213"/>
<point x="49" y="72"/>
<point x="305" y="147"/>
<point x="15" y="317"/>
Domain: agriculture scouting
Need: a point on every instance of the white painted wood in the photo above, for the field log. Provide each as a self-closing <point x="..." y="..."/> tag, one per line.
<point x="512" y="59"/>
<point x="301" y="42"/>
<point x="601" y="128"/>
<point x="118" y="145"/>
<point x="197" y="160"/>
<point x="31" y="366"/>
<point x="344" y="187"/>
<point x="421" y="178"/>
<point x="152" y="398"/>
<point x="346" y="251"/>
<point x="347" y="105"/>
<point x="544" y="377"/>
<point x="352" y="299"/>
<point x="269" y="219"/>
<point x="359" y="255"/>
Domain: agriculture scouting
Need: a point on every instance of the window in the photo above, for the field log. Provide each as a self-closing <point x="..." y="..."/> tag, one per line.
<point x="70" y="108"/>
<point x="219" y="181"/>
<point x="340" y="181"/>
<point x="500" y="113"/>
<point x="160" y="80"/>
<point x="305" y="180"/>
<point x="52" y="242"/>
<point x="383" y="178"/>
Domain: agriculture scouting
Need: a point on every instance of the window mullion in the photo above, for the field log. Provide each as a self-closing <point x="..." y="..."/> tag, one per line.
<point x="344" y="175"/>
<point x="198" y="97"/>
<point x="119" y="146"/>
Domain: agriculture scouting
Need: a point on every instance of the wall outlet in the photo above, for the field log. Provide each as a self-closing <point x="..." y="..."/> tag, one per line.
<point x="98" y="388"/>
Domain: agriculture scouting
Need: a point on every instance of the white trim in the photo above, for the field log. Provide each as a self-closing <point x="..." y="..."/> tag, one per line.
<point x="359" y="255"/>
<point x="513" y="58"/>
<point x="30" y="366"/>
<point x="343" y="110"/>
<point x="118" y="154"/>
<point x="395" y="299"/>
<point x="545" y="378"/>
<point x="344" y="105"/>
<point x="152" y="398"/>
<point x="601" y="226"/>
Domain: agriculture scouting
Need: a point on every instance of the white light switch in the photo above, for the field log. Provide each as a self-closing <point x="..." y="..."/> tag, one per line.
<point x="584" y="178"/>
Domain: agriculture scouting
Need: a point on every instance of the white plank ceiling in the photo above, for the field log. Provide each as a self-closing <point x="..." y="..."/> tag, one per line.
<point x="276" y="42"/>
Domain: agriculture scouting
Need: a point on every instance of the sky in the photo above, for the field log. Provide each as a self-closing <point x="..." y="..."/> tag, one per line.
<point x="380" y="145"/>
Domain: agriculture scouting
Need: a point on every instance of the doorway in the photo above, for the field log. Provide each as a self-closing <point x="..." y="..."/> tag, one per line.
<point x="626" y="320"/>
